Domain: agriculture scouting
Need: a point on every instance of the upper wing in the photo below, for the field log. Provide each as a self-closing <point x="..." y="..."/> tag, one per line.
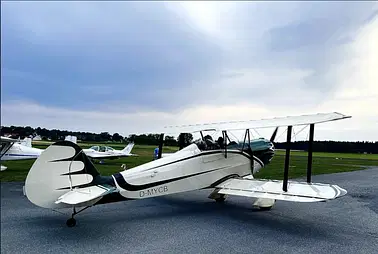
<point x="272" y="189"/>
<point x="255" y="124"/>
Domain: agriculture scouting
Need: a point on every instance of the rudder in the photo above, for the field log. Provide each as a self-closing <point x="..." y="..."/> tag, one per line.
<point x="60" y="168"/>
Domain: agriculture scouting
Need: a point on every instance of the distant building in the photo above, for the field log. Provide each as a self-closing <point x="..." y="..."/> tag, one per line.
<point x="37" y="138"/>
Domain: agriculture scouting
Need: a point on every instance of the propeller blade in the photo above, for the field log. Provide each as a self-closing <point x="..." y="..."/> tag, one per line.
<point x="274" y="135"/>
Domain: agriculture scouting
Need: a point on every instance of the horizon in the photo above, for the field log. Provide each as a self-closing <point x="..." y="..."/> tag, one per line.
<point x="130" y="67"/>
<point x="196" y="136"/>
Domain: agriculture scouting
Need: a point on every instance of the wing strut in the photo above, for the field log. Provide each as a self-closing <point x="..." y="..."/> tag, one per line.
<point x="6" y="149"/>
<point x="309" y="158"/>
<point x="287" y="158"/>
<point x="224" y="134"/>
<point x="161" y="141"/>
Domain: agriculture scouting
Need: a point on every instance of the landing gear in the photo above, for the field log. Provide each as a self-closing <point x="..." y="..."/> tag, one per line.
<point x="267" y="208"/>
<point x="219" y="198"/>
<point x="264" y="204"/>
<point x="71" y="222"/>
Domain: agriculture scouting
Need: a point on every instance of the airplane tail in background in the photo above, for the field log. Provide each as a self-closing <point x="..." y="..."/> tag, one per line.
<point x="73" y="139"/>
<point x="128" y="148"/>
<point x="27" y="142"/>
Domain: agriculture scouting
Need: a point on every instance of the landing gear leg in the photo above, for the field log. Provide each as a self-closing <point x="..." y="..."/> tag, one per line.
<point x="71" y="222"/>
<point x="219" y="198"/>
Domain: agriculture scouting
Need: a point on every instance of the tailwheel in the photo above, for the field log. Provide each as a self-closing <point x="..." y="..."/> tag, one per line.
<point x="71" y="222"/>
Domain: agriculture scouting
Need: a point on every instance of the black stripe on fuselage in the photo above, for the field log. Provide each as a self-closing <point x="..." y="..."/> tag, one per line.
<point x="130" y="187"/>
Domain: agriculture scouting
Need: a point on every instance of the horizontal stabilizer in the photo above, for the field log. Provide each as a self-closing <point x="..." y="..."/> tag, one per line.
<point x="82" y="195"/>
<point x="272" y="189"/>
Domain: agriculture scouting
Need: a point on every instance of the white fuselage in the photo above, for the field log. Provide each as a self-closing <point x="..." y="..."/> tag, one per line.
<point x="90" y="151"/>
<point x="20" y="152"/>
<point x="186" y="170"/>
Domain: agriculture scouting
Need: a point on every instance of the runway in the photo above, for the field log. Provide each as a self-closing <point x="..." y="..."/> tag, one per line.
<point x="192" y="223"/>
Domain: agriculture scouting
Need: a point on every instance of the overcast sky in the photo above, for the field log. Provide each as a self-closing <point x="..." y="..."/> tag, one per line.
<point x="131" y="66"/>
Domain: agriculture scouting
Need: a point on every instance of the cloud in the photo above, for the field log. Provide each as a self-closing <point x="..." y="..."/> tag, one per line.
<point x="134" y="65"/>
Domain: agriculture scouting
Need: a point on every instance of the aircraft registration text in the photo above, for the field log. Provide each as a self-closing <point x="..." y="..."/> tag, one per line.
<point x="153" y="191"/>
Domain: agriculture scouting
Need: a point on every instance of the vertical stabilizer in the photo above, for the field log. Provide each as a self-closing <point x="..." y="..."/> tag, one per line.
<point x="128" y="148"/>
<point x="27" y="142"/>
<point x="73" y="139"/>
<point x="62" y="167"/>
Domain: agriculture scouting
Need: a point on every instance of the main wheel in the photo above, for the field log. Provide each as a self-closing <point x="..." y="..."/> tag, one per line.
<point x="71" y="222"/>
<point x="267" y="208"/>
<point x="220" y="200"/>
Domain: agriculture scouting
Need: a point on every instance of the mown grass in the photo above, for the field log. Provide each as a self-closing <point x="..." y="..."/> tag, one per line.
<point x="323" y="163"/>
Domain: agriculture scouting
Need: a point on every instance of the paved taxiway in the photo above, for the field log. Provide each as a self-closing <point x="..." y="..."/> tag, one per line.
<point x="191" y="223"/>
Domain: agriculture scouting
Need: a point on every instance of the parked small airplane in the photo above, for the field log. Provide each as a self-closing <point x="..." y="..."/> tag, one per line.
<point x="16" y="149"/>
<point x="107" y="152"/>
<point x="104" y="152"/>
<point x="64" y="177"/>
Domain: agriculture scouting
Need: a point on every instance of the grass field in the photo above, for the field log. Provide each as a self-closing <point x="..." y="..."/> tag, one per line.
<point x="323" y="163"/>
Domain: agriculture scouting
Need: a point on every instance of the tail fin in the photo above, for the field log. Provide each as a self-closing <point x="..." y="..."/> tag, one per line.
<point x="27" y="142"/>
<point x="73" y="139"/>
<point x="60" y="168"/>
<point x="128" y="148"/>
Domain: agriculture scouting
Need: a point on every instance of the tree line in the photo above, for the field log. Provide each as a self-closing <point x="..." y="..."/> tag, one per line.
<point x="181" y="141"/>
<point x="55" y="135"/>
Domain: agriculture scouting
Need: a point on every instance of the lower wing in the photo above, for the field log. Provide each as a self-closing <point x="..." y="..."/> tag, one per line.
<point x="272" y="189"/>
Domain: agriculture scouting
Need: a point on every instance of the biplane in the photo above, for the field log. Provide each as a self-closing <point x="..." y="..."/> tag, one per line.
<point x="64" y="177"/>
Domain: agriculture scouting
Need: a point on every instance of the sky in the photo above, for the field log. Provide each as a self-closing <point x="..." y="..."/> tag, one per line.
<point x="130" y="67"/>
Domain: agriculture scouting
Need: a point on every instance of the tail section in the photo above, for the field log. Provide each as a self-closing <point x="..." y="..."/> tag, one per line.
<point x="73" y="139"/>
<point x="62" y="167"/>
<point x="27" y="142"/>
<point x="128" y="148"/>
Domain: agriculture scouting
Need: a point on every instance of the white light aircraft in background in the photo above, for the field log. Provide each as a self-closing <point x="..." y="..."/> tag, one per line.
<point x="64" y="177"/>
<point x="16" y="149"/>
<point x="107" y="152"/>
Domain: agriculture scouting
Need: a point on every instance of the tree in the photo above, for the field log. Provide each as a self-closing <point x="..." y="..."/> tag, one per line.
<point x="116" y="137"/>
<point x="184" y="139"/>
<point x="170" y="141"/>
<point x="105" y="136"/>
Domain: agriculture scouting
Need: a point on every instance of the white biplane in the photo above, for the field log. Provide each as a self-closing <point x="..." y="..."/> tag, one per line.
<point x="64" y="177"/>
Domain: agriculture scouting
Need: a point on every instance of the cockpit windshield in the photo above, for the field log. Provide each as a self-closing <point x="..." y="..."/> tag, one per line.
<point x="209" y="144"/>
<point x="96" y="148"/>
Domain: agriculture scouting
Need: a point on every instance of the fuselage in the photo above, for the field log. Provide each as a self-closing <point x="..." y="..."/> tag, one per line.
<point x="189" y="169"/>
<point x="19" y="152"/>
